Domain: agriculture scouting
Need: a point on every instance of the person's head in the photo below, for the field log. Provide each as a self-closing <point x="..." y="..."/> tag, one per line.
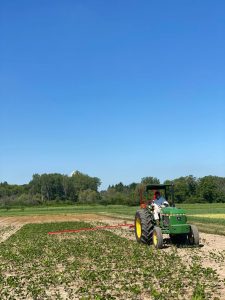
<point x="157" y="194"/>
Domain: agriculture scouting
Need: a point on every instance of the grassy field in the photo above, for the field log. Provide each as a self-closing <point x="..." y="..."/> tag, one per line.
<point x="195" y="209"/>
<point x="96" y="265"/>
<point x="200" y="214"/>
<point x="192" y="209"/>
<point x="69" y="209"/>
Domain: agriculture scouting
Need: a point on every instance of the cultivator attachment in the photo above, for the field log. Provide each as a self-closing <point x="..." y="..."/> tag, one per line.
<point x="92" y="229"/>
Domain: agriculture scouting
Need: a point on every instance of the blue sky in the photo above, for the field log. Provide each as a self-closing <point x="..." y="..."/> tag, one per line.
<point x="116" y="89"/>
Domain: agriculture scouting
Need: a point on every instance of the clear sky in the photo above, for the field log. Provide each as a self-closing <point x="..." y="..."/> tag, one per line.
<point x="117" y="89"/>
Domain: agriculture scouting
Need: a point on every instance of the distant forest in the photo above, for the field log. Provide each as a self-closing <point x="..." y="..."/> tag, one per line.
<point x="80" y="188"/>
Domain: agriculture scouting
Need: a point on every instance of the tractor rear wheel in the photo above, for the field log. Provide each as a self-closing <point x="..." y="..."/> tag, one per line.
<point x="143" y="226"/>
<point x="157" y="238"/>
<point x="193" y="236"/>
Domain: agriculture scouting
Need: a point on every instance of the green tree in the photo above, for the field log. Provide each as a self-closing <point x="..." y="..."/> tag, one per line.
<point x="212" y="189"/>
<point x="88" y="197"/>
<point x="150" y="180"/>
<point x="83" y="182"/>
<point x="185" y="189"/>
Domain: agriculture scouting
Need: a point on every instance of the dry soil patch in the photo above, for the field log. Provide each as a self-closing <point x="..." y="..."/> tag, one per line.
<point x="211" y="252"/>
<point x="9" y="225"/>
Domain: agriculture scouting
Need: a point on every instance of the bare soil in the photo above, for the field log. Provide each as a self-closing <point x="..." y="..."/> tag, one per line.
<point x="211" y="251"/>
<point x="9" y="225"/>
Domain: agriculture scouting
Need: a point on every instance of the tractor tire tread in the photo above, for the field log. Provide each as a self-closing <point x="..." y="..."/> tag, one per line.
<point x="146" y="224"/>
<point x="158" y="232"/>
<point x="194" y="236"/>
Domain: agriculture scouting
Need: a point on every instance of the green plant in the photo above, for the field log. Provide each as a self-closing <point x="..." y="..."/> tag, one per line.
<point x="95" y="265"/>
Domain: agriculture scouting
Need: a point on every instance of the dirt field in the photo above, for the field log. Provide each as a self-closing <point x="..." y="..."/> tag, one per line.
<point x="211" y="251"/>
<point x="9" y="225"/>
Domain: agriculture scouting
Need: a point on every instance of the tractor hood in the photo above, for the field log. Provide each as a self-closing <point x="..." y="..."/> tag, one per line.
<point x="173" y="211"/>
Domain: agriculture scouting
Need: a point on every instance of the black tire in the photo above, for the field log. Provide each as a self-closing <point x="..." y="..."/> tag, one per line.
<point x="193" y="236"/>
<point x="143" y="226"/>
<point x="157" y="238"/>
<point x="178" y="239"/>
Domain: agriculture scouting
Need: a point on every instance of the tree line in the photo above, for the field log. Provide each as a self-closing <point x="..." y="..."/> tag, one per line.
<point x="81" y="188"/>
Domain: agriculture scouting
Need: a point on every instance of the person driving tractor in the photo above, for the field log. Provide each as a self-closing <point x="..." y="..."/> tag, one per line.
<point x="158" y="202"/>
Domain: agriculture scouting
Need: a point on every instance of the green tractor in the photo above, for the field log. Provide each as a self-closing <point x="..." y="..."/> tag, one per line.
<point x="172" y="220"/>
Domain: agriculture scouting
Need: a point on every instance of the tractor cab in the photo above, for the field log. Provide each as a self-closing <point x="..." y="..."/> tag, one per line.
<point x="147" y="194"/>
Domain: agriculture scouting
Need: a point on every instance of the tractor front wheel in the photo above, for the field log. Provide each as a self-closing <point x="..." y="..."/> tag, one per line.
<point x="143" y="226"/>
<point x="193" y="236"/>
<point x="157" y="238"/>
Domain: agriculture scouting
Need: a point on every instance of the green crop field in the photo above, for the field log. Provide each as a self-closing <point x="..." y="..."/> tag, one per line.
<point x="200" y="214"/>
<point x="68" y="209"/>
<point x="214" y="208"/>
<point x="206" y="208"/>
<point x="97" y="265"/>
<point x="209" y="218"/>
